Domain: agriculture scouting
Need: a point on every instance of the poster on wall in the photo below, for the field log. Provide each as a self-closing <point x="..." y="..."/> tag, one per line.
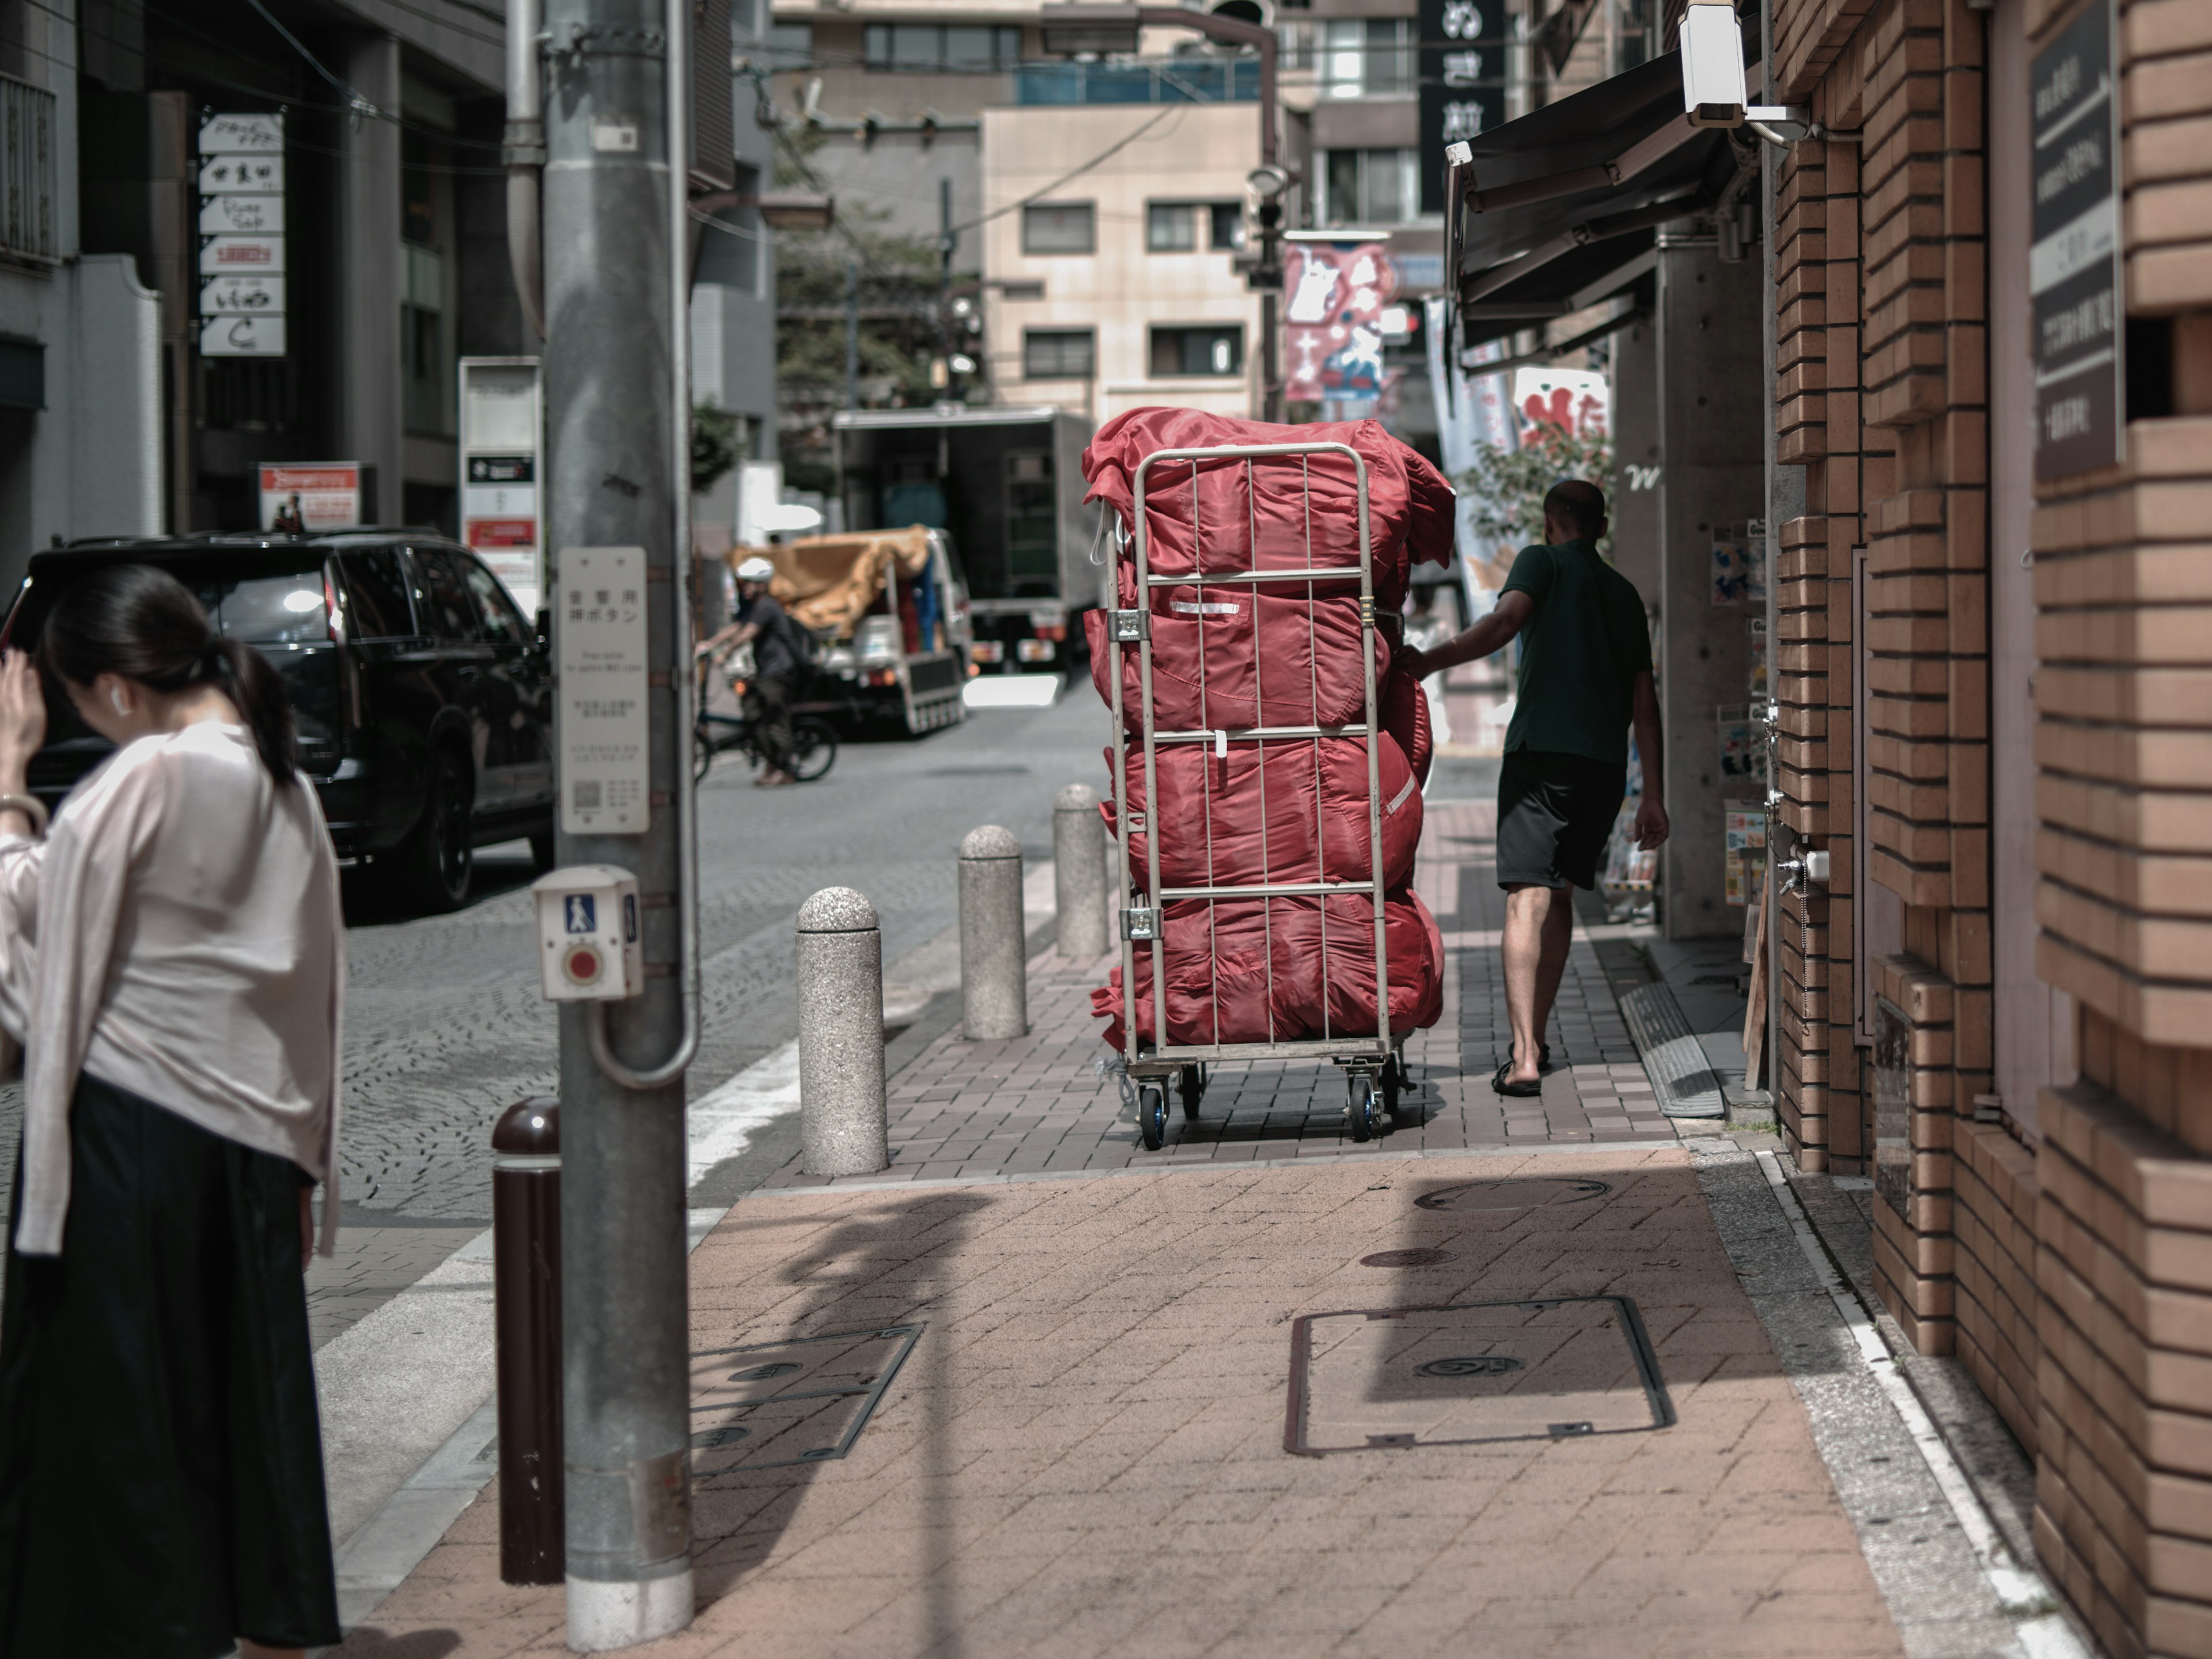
<point x="502" y="424"/>
<point x="1462" y="56"/>
<point x="2074" y="257"/>
<point x="305" y="496"/>
<point x="1576" y="400"/>
<point x="1332" y="333"/>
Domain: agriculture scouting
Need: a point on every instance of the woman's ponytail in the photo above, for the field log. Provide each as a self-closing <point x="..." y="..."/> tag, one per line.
<point x="144" y="624"/>
<point x="259" y="691"/>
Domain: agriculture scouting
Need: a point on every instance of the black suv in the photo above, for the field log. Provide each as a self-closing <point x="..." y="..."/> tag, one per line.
<point x="423" y="697"/>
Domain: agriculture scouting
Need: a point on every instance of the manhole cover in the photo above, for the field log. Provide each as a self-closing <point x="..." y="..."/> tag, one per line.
<point x="1394" y="1378"/>
<point x="768" y="1405"/>
<point x="1514" y="1192"/>
<point x="1406" y="1258"/>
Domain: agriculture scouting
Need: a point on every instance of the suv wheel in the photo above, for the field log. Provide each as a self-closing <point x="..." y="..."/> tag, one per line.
<point x="435" y="862"/>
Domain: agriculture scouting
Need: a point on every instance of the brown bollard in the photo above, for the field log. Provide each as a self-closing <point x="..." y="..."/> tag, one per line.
<point x="525" y="1246"/>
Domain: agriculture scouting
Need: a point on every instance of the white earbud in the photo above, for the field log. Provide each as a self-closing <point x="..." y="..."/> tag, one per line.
<point x="116" y="697"/>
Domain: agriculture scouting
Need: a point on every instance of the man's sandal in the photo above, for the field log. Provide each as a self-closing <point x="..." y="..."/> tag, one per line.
<point x="1501" y="1082"/>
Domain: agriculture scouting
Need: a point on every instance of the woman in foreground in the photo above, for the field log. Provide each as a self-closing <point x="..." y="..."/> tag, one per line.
<point x="170" y="958"/>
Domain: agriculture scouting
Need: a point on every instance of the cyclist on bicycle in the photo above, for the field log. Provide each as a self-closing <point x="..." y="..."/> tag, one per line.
<point x="778" y="658"/>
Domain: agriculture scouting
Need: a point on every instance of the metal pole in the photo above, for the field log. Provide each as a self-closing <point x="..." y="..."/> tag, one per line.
<point x="1078" y="872"/>
<point x="618" y="440"/>
<point x="525" y="1255"/>
<point x="843" y="1125"/>
<point x="994" y="994"/>
<point x="852" y="334"/>
<point x="946" y="242"/>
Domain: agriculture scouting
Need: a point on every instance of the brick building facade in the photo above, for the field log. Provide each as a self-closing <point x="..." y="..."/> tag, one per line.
<point x="1994" y="713"/>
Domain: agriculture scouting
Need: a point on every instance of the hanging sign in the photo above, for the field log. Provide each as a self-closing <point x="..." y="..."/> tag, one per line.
<point x="241" y="180"/>
<point x="2074" y="259"/>
<point x="1333" y="329"/>
<point x="1462" y="56"/>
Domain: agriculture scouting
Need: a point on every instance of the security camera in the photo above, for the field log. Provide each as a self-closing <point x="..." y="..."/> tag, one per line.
<point x="1714" y="90"/>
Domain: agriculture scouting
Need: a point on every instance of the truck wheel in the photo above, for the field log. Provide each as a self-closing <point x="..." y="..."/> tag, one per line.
<point x="432" y="868"/>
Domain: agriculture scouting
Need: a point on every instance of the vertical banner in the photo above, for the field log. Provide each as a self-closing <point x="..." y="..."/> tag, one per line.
<point x="241" y="255"/>
<point x="1463" y="81"/>
<point x="1332" y="324"/>
<point x="2074" y="257"/>
<point x="502" y="440"/>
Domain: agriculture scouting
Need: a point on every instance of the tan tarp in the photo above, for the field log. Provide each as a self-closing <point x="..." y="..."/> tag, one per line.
<point x="827" y="582"/>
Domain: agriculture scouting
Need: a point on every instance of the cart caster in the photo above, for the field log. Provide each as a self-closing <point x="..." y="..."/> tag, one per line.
<point x="1366" y="1110"/>
<point x="1190" y="1084"/>
<point x="1152" y="1116"/>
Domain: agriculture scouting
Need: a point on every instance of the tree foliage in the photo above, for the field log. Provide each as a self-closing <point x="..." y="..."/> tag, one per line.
<point x="1508" y="486"/>
<point x="714" y="445"/>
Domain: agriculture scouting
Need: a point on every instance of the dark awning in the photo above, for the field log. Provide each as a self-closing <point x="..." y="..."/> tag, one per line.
<point x="1556" y="211"/>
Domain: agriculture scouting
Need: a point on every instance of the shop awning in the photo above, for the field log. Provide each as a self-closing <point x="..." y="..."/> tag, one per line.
<point x="1554" y="212"/>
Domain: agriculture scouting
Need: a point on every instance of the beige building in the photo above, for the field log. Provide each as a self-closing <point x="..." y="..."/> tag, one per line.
<point x="1113" y="289"/>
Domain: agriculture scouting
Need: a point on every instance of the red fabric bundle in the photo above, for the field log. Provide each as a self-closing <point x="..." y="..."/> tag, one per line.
<point x="1205" y="518"/>
<point x="1403" y="710"/>
<point x="1213" y="667"/>
<point x="1264" y="971"/>
<point x="1216" y="832"/>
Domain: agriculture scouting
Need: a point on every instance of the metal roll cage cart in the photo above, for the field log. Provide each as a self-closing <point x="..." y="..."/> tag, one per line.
<point x="1374" y="1069"/>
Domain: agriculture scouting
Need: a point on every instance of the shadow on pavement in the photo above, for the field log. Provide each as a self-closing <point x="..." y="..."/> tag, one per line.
<point x="864" y="1271"/>
<point x="370" y="1642"/>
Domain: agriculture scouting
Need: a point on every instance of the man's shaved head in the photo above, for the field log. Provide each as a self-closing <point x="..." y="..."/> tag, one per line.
<point x="1579" y="506"/>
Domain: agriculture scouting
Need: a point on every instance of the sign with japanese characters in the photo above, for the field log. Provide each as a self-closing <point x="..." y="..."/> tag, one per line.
<point x="310" y="495"/>
<point x="502" y="439"/>
<point x="241" y="224"/>
<point x="2074" y="257"/>
<point x="1463" y="81"/>
<point x="600" y="610"/>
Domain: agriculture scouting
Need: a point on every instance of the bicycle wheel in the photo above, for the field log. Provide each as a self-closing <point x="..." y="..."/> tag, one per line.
<point x="813" y="748"/>
<point x="702" y="754"/>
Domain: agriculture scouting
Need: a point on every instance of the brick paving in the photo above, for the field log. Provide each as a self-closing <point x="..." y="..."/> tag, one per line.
<point x="1039" y="1103"/>
<point x="1085" y="1453"/>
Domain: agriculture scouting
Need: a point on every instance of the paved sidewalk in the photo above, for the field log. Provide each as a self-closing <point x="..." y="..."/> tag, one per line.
<point x="1040" y="1104"/>
<point x="1085" y="1452"/>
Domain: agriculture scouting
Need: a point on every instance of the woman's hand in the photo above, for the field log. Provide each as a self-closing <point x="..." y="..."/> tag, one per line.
<point x="22" y="719"/>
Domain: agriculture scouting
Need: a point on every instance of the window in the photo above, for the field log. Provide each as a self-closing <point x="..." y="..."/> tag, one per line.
<point x="1227" y="226"/>
<point x="376" y="594"/>
<point x="942" y="48"/>
<point x="790" y="45"/>
<point x="1170" y="227"/>
<point x="444" y="597"/>
<point x="502" y="621"/>
<point x="1370" y="186"/>
<point x="1212" y="350"/>
<point x="1059" y="227"/>
<point x="284" y="610"/>
<point x="1365" y="59"/>
<point x="1060" y="354"/>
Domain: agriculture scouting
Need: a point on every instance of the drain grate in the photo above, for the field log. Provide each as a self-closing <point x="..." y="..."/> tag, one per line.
<point x="1523" y="1192"/>
<point x="1428" y="1258"/>
<point x="803" y="1400"/>
<point x="1457" y="1376"/>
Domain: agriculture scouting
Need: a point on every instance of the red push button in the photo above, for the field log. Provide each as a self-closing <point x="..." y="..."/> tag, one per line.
<point x="581" y="965"/>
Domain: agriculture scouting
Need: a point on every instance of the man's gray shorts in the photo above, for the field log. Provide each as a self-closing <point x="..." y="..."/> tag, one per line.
<point x="1555" y="813"/>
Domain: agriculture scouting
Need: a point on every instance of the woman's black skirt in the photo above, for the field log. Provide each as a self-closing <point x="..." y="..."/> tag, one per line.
<point x="160" y="1460"/>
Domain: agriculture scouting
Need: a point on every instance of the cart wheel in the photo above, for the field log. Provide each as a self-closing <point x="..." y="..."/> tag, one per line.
<point x="1152" y="1116"/>
<point x="1366" y="1110"/>
<point x="1191" y="1085"/>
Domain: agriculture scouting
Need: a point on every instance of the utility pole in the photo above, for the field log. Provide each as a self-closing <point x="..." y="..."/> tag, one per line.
<point x="618" y="375"/>
<point x="852" y="334"/>
<point x="946" y="242"/>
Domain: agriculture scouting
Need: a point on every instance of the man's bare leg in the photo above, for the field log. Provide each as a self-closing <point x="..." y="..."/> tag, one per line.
<point x="1539" y="923"/>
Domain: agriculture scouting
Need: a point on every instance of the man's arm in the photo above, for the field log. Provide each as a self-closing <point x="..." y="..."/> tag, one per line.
<point x="729" y="639"/>
<point x="1506" y="618"/>
<point x="1651" y="824"/>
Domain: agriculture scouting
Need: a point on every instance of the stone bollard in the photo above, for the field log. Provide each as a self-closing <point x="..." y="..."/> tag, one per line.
<point x="526" y="1273"/>
<point x="1078" y="872"/>
<point x="994" y="998"/>
<point x="843" y="1128"/>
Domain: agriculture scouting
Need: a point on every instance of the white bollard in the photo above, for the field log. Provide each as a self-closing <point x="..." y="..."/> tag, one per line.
<point x="1078" y="872"/>
<point x="843" y="1126"/>
<point x="994" y="998"/>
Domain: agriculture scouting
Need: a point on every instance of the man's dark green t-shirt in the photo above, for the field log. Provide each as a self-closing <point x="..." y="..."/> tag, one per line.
<point x="1581" y="651"/>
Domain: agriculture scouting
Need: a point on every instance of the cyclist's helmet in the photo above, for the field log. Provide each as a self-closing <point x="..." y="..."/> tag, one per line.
<point x="755" y="570"/>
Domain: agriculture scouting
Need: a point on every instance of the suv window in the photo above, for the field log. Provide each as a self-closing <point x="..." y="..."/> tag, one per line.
<point x="446" y="605"/>
<point x="376" y="594"/>
<point x="502" y="622"/>
<point x="276" y="609"/>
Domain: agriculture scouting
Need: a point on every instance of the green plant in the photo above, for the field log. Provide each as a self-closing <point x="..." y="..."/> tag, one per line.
<point x="1508" y="486"/>
<point x="714" y="445"/>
